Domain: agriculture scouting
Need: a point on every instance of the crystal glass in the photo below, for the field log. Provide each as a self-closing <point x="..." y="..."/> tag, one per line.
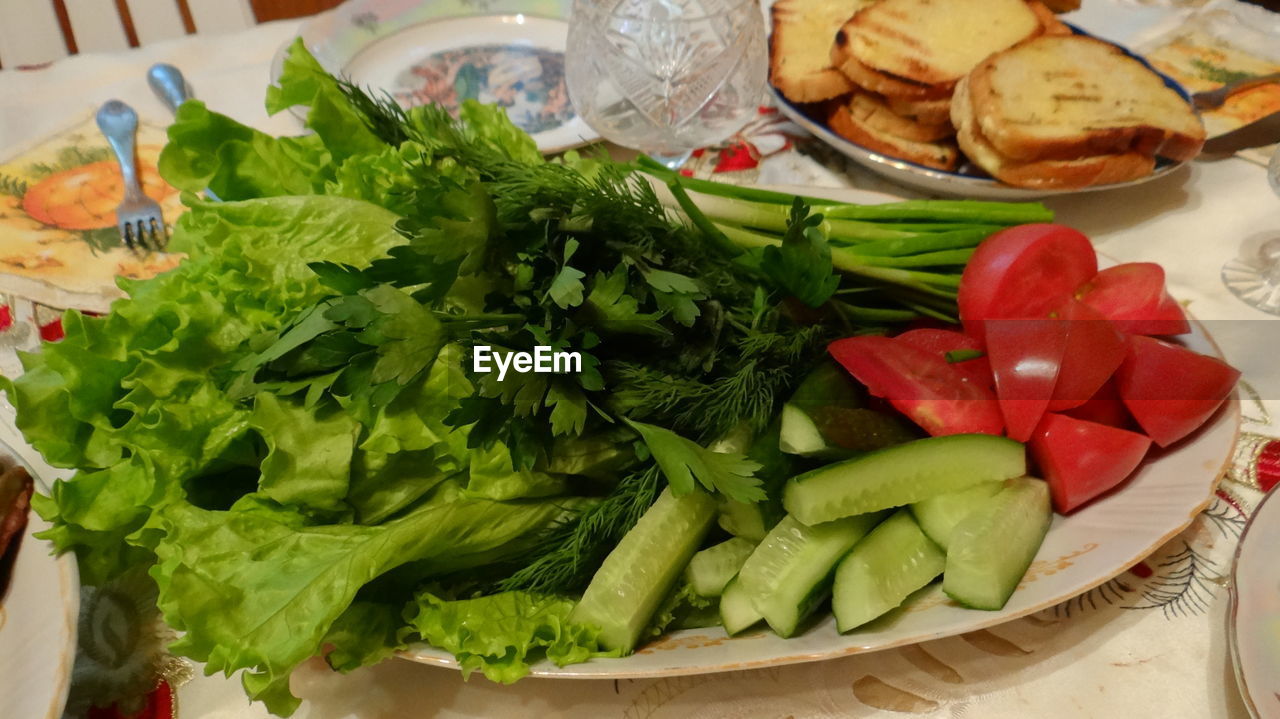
<point x="666" y="76"/>
<point x="1254" y="276"/>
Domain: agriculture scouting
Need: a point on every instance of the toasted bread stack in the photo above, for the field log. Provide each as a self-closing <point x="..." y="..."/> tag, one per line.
<point x="1065" y="112"/>
<point x="904" y="58"/>
<point x="1002" y="81"/>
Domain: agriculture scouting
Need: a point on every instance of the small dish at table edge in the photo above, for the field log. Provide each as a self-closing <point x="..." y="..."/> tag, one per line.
<point x="1233" y="615"/>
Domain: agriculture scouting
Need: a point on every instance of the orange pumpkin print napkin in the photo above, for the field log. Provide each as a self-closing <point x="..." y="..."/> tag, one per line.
<point x="59" y="245"/>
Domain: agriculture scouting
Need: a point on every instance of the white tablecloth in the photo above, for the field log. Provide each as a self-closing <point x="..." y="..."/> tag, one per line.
<point x="1104" y="656"/>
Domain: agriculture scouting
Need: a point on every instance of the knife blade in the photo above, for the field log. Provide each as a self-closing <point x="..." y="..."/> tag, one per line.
<point x="1260" y="132"/>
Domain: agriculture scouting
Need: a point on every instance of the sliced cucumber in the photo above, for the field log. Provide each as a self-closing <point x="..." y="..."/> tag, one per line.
<point x="743" y="520"/>
<point x="939" y="515"/>
<point x="901" y="475"/>
<point x="712" y="568"/>
<point x="736" y="611"/>
<point x="827" y="385"/>
<point x="827" y="418"/>
<point x="992" y="547"/>
<point x="800" y="435"/>
<point x="894" y="560"/>
<point x="639" y="572"/>
<point x="789" y="574"/>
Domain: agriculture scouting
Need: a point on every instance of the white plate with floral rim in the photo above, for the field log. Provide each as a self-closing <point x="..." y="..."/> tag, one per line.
<point x="1255" y="610"/>
<point x="509" y="52"/>
<point x="38" y="618"/>
<point x="1080" y="552"/>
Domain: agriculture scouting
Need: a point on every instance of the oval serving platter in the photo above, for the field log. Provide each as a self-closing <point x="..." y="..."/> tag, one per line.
<point x="1254" y="617"/>
<point x="1080" y="552"/>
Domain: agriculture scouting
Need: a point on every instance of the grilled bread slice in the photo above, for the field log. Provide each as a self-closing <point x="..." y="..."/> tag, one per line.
<point x="799" y="60"/>
<point x="1049" y="22"/>
<point x="941" y="155"/>
<point x="936" y="42"/>
<point x="930" y="112"/>
<point x="1061" y="98"/>
<point x="879" y="82"/>
<point x="1040" y="174"/>
<point x="875" y="114"/>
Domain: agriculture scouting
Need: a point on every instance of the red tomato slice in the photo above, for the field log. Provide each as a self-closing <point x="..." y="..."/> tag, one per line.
<point x="1081" y="460"/>
<point x="940" y="342"/>
<point x="1105" y="407"/>
<point x="1024" y="272"/>
<point x="919" y="384"/>
<point x="1095" y="348"/>
<point x="1026" y="356"/>
<point x="1133" y="296"/>
<point x="1171" y="390"/>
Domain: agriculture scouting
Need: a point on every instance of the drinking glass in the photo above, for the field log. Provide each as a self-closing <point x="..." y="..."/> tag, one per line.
<point x="1254" y="277"/>
<point x="666" y="76"/>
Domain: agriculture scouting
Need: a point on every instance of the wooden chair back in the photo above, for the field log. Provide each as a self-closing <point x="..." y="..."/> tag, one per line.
<point x="34" y="32"/>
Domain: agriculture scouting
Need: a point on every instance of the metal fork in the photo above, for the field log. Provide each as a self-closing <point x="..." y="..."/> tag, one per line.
<point x="1213" y="99"/>
<point x="138" y="216"/>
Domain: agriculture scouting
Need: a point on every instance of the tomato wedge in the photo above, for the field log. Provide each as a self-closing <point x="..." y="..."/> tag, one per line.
<point x="1026" y="356"/>
<point x="941" y="342"/>
<point x="1171" y="390"/>
<point x="1080" y="460"/>
<point x="1105" y="407"/>
<point x="1133" y="295"/>
<point x="919" y="384"/>
<point x="1095" y="348"/>
<point x="1024" y="272"/>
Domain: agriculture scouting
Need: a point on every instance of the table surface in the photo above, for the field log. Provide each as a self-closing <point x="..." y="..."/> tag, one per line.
<point x="1105" y="655"/>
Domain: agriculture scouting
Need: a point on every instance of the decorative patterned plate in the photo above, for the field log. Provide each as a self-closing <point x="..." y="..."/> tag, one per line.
<point x="1255" y="610"/>
<point x="509" y="52"/>
<point x="38" y="616"/>
<point x="967" y="181"/>
<point x="1081" y="551"/>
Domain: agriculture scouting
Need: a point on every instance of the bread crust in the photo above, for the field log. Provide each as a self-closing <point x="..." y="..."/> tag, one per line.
<point x="939" y="155"/>
<point x="880" y="82"/>
<point x="1075" y="174"/>
<point x="929" y="112"/>
<point x="1048" y="20"/>
<point x="1012" y="141"/>
<point x="875" y="114"/>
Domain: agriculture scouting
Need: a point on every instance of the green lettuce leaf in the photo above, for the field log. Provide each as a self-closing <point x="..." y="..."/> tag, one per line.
<point x="493" y="476"/>
<point x="252" y="592"/>
<point x="408" y="450"/>
<point x="365" y="634"/>
<point x="134" y="400"/>
<point x="237" y="162"/>
<point x="684" y="609"/>
<point x="309" y="449"/>
<point x="331" y="116"/>
<point x="501" y="634"/>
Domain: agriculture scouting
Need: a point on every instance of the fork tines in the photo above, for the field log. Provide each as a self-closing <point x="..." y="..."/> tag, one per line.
<point x="145" y="233"/>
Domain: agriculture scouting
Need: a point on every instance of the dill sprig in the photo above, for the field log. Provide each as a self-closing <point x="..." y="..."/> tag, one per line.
<point x="565" y="558"/>
<point x="384" y="117"/>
